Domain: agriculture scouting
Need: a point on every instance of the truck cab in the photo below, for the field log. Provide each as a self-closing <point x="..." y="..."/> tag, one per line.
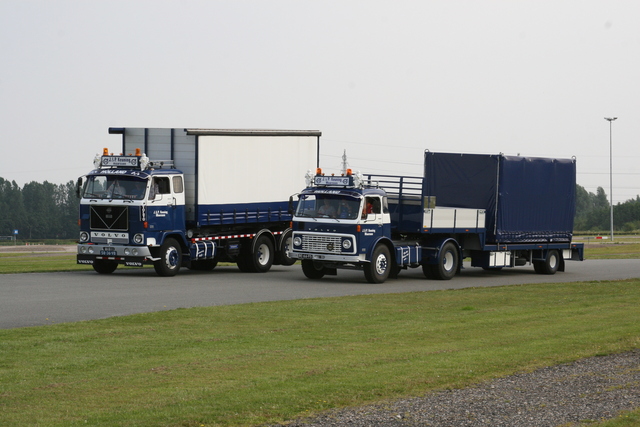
<point x="132" y="210"/>
<point x="342" y="221"/>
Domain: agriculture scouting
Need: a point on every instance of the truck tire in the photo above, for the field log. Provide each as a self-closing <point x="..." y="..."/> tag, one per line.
<point x="102" y="266"/>
<point x="257" y="256"/>
<point x="170" y="259"/>
<point x="550" y="265"/>
<point x="283" y="249"/>
<point x="447" y="266"/>
<point x="203" y="265"/>
<point x="377" y="271"/>
<point x="312" y="269"/>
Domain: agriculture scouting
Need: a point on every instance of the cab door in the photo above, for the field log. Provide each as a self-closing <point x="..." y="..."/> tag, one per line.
<point x="166" y="209"/>
<point x="371" y="222"/>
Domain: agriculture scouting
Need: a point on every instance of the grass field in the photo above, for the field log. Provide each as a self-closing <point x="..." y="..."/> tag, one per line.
<point x="254" y="364"/>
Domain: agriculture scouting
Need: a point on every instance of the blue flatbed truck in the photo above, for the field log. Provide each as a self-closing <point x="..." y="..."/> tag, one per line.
<point x="498" y="211"/>
<point x="192" y="197"/>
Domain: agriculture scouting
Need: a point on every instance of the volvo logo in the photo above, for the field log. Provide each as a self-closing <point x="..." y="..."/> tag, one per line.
<point x="330" y="247"/>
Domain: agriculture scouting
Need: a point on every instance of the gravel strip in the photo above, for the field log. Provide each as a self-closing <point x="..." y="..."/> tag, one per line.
<point x="588" y="390"/>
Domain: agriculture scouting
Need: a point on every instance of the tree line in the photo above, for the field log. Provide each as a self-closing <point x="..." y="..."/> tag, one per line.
<point x="39" y="210"/>
<point x="50" y="211"/>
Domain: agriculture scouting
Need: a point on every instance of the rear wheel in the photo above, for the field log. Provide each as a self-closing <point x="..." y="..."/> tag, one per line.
<point x="312" y="269"/>
<point x="550" y="265"/>
<point x="377" y="271"/>
<point x="104" y="266"/>
<point x="170" y="259"/>
<point x="257" y="256"/>
<point x="263" y="254"/>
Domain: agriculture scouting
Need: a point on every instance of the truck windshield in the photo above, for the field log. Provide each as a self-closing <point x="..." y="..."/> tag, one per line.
<point x="328" y="206"/>
<point x="114" y="187"/>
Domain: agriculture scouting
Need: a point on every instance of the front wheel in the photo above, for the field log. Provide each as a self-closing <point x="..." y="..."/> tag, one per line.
<point x="170" y="259"/>
<point x="104" y="267"/>
<point x="377" y="271"/>
<point x="312" y="269"/>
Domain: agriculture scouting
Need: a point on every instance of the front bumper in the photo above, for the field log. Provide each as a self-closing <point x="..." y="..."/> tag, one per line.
<point x="127" y="255"/>
<point x="351" y="259"/>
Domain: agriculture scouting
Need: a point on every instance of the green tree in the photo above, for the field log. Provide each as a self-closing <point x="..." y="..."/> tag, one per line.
<point x="12" y="211"/>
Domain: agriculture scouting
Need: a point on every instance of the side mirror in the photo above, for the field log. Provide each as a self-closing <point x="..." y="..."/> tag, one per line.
<point x="78" y="187"/>
<point x="291" y="205"/>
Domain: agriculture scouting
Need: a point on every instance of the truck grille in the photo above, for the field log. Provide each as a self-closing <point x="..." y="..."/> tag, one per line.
<point x="111" y="218"/>
<point x="324" y="244"/>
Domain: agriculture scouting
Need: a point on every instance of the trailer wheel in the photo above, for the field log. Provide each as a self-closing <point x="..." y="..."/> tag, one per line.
<point x="550" y="265"/>
<point x="312" y="269"/>
<point x="284" y="248"/>
<point x="104" y="267"/>
<point x="377" y="271"/>
<point x="447" y="265"/>
<point x="170" y="259"/>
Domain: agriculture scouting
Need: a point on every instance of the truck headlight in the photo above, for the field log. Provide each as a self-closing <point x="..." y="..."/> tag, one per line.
<point x="138" y="239"/>
<point x="346" y="244"/>
<point x="127" y="251"/>
<point x="297" y="241"/>
<point x="84" y="236"/>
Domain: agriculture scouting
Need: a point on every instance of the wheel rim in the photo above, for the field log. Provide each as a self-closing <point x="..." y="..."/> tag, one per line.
<point x="381" y="264"/>
<point x="447" y="261"/>
<point x="172" y="258"/>
<point x="553" y="261"/>
<point x="263" y="254"/>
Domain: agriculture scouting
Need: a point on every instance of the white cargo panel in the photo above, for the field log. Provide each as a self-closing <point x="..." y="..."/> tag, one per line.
<point x="454" y="219"/>
<point x="249" y="169"/>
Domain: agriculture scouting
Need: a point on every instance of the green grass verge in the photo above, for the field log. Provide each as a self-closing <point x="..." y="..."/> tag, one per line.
<point x="39" y="263"/>
<point x="612" y="251"/>
<point x="262" y="363"/>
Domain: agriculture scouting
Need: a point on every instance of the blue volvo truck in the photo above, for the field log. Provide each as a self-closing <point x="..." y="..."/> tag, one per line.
<point x="495" y="210"/>
<point x="193" y="197"/>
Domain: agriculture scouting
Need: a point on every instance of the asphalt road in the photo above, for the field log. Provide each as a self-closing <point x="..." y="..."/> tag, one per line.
<point x="46" y="298"/>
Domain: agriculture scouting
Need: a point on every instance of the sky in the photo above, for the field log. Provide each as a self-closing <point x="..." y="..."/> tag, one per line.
<point x="383" y="80"/>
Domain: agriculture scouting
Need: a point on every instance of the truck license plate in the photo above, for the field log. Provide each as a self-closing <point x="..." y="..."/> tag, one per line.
<point x="108" y="252"/>
<point x="305" y="256"/>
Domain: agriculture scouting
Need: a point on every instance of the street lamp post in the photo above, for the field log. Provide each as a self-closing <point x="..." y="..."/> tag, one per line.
<point x="611" y="119"/>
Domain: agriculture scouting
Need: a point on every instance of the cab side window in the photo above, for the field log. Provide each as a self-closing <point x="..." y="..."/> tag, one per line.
<point x="178" y="187"/>
<point x="160" y="186"/>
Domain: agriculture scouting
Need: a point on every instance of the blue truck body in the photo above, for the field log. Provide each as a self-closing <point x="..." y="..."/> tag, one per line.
<point x="498" y="211"/>
<point x="193" y="197"/>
